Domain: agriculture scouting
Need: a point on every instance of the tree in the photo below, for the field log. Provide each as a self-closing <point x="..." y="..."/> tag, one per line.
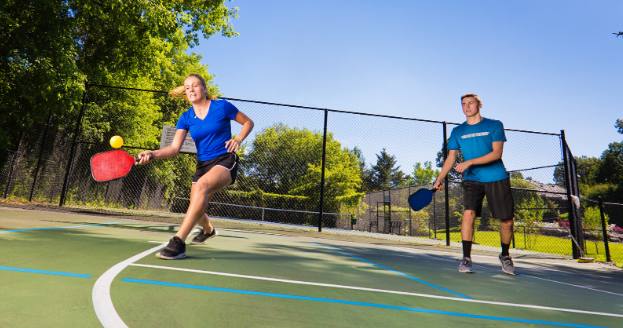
<point x="423" y="175"/>
<point x="587" y="170"/>
<point x="285" y="160"/>
<point x="57" y="46"/>
<point x="559" y="174"/>
<point x="619" y="126"/>
<point x="611" y="170"/>
<point x="453" y="175"/>
<point x="361" y="163"/>
<point x="516" y="175"/>
<point x="385" y="174"/>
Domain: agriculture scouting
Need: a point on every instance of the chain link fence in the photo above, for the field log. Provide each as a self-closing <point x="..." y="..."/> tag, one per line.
<point x="368" y="165"/>
<point x="603" y="237"/>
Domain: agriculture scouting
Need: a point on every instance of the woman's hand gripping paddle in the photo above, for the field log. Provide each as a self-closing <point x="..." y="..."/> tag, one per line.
<point x="111" y="165"/>
<point x="421" y="198"/>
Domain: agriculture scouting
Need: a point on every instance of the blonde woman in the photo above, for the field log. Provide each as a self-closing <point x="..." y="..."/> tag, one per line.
<point x="209" y="124"/>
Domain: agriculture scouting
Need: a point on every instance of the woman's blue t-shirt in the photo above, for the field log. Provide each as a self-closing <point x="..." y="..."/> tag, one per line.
<point x="211" y="133"/>
<point x="476" y="141"/>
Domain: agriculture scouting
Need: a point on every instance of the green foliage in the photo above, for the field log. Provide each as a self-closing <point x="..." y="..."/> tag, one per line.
<point x="559" y="174"/>
<point x="353" y="204"/>
<point x="285" y="160"/>
<point x="453" y="175"/>
<point x="57" y="46"/>
<point x="523" y="196"/>
<point x="458" y="215"/>
<point x="423" y="174"/>
<point x="611" y="170"/>
<point x="385" y="174"/>
<point x="260" y="198"/>
<point x="619" y="126"/>
<point x="605" y="190"/>
<point x="529" y="210"/>
<point x="587" y="169"/>
<point x="419" y="223"/>
<point x="591" y="218"/>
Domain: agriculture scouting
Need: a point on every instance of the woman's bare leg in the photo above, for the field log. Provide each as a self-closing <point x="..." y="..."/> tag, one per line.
<point x="216" y="179"/>
<point x="204" y="221"/>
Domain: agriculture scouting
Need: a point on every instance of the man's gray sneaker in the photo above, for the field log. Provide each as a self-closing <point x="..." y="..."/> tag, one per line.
<point x="202" y="236"/>
<point x="466" y="265"/>
<point x="507" y="264"/>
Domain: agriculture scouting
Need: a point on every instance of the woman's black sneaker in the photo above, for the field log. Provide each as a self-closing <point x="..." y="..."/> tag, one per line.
<point x="176" y="249"/>
<point x="202" y="236"/>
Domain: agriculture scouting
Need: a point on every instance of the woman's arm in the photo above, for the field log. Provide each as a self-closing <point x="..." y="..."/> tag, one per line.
<point x="247" y="125"/>
<point x="166" y="152"/>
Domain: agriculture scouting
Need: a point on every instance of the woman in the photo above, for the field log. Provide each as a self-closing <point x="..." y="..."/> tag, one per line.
<point x="208" y="122"/>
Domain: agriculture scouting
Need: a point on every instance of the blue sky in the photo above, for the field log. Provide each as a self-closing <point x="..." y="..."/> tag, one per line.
<point x="537" y="65"/>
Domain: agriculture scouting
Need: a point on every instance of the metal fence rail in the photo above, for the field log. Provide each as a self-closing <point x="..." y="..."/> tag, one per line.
<point x="312" y="168"/>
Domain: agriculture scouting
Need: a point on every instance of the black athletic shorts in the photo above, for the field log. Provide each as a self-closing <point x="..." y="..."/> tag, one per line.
<point x="228" y="161"/>
<point x="499" y="198"/>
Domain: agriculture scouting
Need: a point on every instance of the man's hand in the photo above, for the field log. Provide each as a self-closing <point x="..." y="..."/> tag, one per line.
<point x="438" y="185"/>
<point x="463" y="166"/>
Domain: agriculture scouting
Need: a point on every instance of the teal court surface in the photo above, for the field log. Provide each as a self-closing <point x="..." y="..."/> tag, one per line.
<point x="82" y="270"/>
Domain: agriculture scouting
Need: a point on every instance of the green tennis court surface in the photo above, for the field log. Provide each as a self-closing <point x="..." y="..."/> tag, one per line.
<point x="61" y="270"/>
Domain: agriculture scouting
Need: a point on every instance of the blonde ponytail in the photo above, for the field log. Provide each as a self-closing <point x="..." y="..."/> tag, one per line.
<point x="178" y="93"/>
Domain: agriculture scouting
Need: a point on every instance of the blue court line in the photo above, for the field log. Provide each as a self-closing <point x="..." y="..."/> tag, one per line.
<point x="328" y="300"/>
<point x="398" y="272"/>
<point x="80" y="226"/>
<point x="46" y="272"/>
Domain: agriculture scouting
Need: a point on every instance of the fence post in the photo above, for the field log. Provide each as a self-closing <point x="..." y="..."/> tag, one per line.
<point x="435" y="214"/>
<point x="446" y="181"/>
<point x="570" y="206"/>
<point x="324" y="155"/>
<point x="603" y="228"/>
<point x="411" y="223"/>
<point x="70" y="162"/>
<point x="8" y="183"/>
<point x="45" y="136"/>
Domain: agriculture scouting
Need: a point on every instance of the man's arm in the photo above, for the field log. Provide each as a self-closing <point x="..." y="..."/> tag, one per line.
<point x="498" y="148"/>
<point x="447" y="166"/>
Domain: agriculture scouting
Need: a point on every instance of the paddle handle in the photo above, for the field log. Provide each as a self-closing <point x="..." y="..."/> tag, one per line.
<point x="137" y="159"/>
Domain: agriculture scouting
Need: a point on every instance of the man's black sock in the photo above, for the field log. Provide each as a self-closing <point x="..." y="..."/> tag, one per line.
<point x="467" y="248"/>
<point x="505" y="248"/>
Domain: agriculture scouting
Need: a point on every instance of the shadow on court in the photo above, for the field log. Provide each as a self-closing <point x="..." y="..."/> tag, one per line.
<point x="246" y="278"/>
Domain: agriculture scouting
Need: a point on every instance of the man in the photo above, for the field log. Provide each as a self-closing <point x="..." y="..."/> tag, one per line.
<point x="481" y="141"/>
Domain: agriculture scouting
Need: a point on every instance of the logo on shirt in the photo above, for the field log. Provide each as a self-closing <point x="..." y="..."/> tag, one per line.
<point x="472" y="135"/>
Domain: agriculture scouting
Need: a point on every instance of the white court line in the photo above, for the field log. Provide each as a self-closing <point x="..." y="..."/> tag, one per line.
<point x="382" y="291"/>
<point x="442" y="253"/>
<point x="565" y="283"/>
<point x="531" y="276"/>
<point x="102" y="302"/>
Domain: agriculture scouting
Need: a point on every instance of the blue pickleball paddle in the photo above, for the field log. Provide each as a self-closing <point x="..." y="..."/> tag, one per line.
<point x="421" y="198"/>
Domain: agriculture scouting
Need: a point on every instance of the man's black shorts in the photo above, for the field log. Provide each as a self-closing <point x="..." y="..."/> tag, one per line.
<point x="228" y="161"/>
<point x="499" y="198"/>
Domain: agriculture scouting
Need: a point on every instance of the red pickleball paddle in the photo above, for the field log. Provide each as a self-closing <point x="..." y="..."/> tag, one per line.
<point x="111" y="165"/>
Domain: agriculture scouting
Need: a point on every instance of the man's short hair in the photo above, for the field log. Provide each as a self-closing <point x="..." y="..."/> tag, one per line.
<point x="473" y="95"/>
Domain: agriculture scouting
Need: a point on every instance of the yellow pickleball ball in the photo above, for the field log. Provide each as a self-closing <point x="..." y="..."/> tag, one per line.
<point x="116" y="142"/>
